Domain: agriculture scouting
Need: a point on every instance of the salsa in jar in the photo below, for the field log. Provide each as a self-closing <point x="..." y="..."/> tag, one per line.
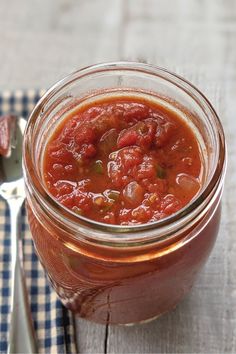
<point x="123" y="161"/>
<point x="124" y="166"/>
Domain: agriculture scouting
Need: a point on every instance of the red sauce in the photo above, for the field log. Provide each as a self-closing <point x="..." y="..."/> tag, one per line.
<point x="123" y="161"/>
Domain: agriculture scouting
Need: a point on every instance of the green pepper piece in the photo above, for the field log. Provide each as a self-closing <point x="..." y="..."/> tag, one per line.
<point x="107" y="208"/>
<point x="114" y="195"/>
<point x="161" y="172"/>
<point x="98" y="167"/>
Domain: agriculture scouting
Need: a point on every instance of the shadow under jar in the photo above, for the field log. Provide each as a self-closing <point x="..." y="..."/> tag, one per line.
<point x="124" y="274"/>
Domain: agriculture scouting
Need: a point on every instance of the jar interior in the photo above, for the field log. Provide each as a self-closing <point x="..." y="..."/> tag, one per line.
<point x="120" y="84"/>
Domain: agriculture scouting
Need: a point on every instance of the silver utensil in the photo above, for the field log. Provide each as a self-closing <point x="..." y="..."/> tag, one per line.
<point x="12" y="190"/>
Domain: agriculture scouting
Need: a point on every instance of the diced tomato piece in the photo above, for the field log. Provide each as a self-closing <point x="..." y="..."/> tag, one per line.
<point x="140" y="134"/>
<point x="170" y="204"/>
<point x="83" y="200"/>
<point x="142" y="214"/>
<point x="104" y="122"/>
<point x="67" y="135"/>
<point x="130" y="157"/>
<point x="147" y="169"/>
<point x="85" y="135"/>
<point x="163" y="133"/>
<point x="88" y="150"/>
<point x="62" y="155"/>
<point x="127" y="138"/>
<point x="136" y="112"/>
<point x="159" y="186"/>
<point x="124" y="216"/>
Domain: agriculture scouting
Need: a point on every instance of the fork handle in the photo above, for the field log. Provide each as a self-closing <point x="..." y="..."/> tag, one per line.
<point x="20" y="314"/>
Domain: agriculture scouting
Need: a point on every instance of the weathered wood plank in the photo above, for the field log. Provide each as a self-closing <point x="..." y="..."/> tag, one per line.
<point x="90" y="337"/>
<point x="41" y="41"/>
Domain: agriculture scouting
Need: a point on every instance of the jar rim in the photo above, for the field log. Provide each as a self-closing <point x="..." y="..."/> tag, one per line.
<point x="111" y="230"/>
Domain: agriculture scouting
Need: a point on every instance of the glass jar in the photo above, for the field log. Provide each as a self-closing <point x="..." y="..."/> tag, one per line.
<point x="124" y="274"/>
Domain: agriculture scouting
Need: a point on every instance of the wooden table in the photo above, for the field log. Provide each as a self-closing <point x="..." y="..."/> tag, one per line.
<point x="41" y="41"/>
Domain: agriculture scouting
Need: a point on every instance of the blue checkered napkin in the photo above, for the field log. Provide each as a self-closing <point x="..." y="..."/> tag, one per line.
<point x="53" y="323"/>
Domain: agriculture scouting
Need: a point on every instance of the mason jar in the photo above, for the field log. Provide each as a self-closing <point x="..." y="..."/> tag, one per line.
<point x="123" y="274"/>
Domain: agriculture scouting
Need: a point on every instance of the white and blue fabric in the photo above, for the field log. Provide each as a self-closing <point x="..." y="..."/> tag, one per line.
<point x="54" y="325"/>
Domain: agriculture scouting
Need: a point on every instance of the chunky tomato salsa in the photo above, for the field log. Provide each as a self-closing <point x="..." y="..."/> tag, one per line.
<point x="123" y="161"/>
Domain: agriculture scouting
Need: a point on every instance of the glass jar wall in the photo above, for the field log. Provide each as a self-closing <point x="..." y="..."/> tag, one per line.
<point x="112" y="273"/>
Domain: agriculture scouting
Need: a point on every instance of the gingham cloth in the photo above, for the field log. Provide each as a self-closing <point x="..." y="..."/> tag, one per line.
<point x="53" y="324"/>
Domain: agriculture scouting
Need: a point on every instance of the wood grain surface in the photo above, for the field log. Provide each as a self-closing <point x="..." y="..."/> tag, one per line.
<point x="41" y="41"/>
